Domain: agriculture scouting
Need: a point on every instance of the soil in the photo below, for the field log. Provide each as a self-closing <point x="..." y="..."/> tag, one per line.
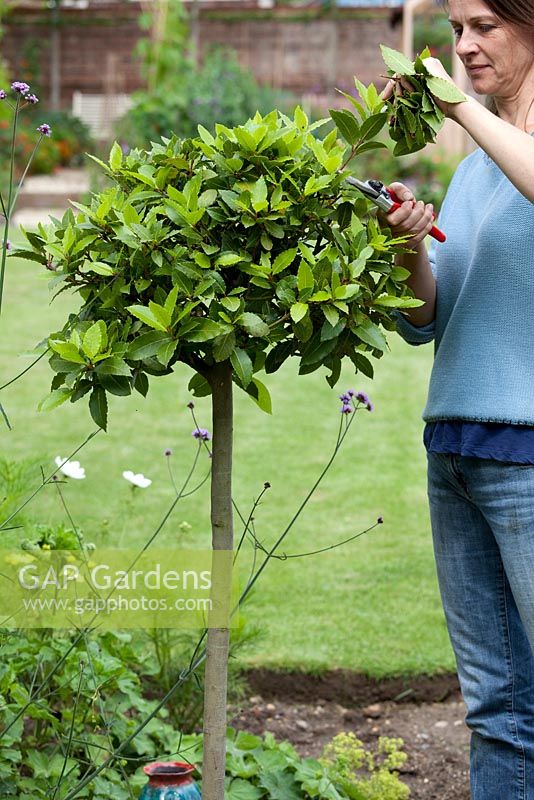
<point x="427" y="713"/>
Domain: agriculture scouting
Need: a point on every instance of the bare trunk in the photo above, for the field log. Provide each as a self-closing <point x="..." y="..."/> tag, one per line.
<point x="215" y="690"/>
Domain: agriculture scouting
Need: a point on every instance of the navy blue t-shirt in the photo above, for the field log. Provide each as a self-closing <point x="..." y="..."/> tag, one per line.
<point x="498" y="441"/>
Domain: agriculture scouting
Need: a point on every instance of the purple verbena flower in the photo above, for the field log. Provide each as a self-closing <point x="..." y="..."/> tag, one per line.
<point x="201" y="433"/>
<point x="362" y="397"/>
<point x="8" y="245"/>
<point x="44" y="129"/>
<point x="345" y="398"/>
<point x="3" y="95"/>
<point x="20" y="87"/>
<point x="369" y="406"/>
<point x="31" y="98"/>
<point x="351" y="392"/>
<point x="346" y="408"/>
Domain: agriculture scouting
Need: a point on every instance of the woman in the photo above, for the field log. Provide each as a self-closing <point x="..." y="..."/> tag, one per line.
<point x="478" y="289"/>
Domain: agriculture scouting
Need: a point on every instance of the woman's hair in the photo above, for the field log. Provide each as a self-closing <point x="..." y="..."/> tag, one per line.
<point x="516" y="12"/>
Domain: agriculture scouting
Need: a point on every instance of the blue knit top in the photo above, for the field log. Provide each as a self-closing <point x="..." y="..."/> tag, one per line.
<point x="484" y="327"/>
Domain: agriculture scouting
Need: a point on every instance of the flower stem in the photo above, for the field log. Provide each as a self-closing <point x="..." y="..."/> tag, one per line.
<point x="7" y="207"/>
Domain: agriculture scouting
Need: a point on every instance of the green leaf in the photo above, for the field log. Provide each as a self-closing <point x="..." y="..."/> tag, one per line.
<point x="240" y="789"/>
<point x="390" y="301"/>
<point x="54" y="399"/>
<point x="331" y="314"/>
<point x="258" y="195"/>
<point x="228" y="260"/>
<point x="146" y="345"/>
<point x="147" y="316"/>
<point x="298" y="311"/>
<point x="199" y="386"/>
<point x="260" y="394"/>
<point x="97" y="266"/>
<point x="92" y="340"/>
<point x="115" y="157"/>
<point x="231" y="304"/>
<point x="203" y="330"/>
<point x="346" y="124"/>
<point x="140" y="383"/>
<point x="114" y="366"/>
<point x="166" y="351"/>
<point x="116" y="384"/>
<point x="170" y="302"/>
<point x="373" y="125"/>
<point x="371" y="146"/>
<point x="362" y="364"/>
<point x="397" y="61"/>
<point x="98" y="406"/>
<point x="317" y="350"/>
<point x="305" y="279"/>
<point x="242" y="366"/>
<point x="280" y="786"/>
<point x="301" y="120"/>
<point x="284" y="260"/>
<point x="253" y="324"/>
<point x="307" y="253"/>
<point x="445" y="90"/>
<point x="205" y="135"/>
<point x="371" y="335"/>
<point x="67" y="350"/>
<point x="223" y="346"/>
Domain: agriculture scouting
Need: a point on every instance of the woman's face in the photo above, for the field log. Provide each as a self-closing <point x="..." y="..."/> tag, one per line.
<point x="498" y="57"/>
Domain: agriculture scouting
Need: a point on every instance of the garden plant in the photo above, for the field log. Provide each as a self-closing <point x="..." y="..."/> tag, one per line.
<point x="230" y="252"/>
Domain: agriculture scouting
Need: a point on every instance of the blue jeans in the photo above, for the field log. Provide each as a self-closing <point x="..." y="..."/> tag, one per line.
<point x="482" y="514"/>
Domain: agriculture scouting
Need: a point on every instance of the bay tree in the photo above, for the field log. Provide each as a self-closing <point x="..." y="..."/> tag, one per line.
<point x="231" y="252"/>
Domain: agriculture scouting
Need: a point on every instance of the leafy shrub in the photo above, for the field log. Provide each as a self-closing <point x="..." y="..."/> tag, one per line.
<point x="267" y="769"/>
<point x="92" y="703"/>
<point x="219" y="91"/>
<point x="105" y="686"/>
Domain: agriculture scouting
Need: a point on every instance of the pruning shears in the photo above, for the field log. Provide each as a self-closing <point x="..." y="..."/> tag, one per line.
<point x="387" y="200"/>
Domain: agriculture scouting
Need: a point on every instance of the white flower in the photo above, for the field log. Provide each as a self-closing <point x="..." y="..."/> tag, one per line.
<point x="71" y="469"/>
<point x="138" y="479"/>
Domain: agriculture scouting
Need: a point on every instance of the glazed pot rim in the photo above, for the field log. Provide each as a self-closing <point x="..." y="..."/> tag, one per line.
<point x="169" y="769"/>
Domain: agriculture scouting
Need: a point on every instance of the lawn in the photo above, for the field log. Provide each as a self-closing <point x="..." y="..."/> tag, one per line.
<point x="370" y="606"/>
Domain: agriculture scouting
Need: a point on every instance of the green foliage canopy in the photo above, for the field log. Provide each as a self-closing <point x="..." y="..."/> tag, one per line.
<point x="244" y="245"/>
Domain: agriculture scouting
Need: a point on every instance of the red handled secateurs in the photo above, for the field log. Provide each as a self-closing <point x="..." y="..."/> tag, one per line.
<point x="386" y="200"/>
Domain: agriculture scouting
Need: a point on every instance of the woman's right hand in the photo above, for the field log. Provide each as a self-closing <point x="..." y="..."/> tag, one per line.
<point x="412" y="217"/>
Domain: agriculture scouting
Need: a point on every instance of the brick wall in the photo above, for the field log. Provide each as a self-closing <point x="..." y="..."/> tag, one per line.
<point x="306" y="51"/>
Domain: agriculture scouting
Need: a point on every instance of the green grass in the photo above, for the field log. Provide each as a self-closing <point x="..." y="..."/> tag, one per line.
<point x="370" y="606"/>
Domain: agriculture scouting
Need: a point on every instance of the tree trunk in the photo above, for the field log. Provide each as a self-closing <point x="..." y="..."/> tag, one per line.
<point x="215" y="689"/>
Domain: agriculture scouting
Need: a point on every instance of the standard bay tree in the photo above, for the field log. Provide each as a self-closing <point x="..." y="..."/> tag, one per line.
<point x="231" y="253"/>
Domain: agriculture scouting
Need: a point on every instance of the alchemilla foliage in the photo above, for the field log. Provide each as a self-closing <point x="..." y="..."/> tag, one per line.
<point x="245" y="244"/>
